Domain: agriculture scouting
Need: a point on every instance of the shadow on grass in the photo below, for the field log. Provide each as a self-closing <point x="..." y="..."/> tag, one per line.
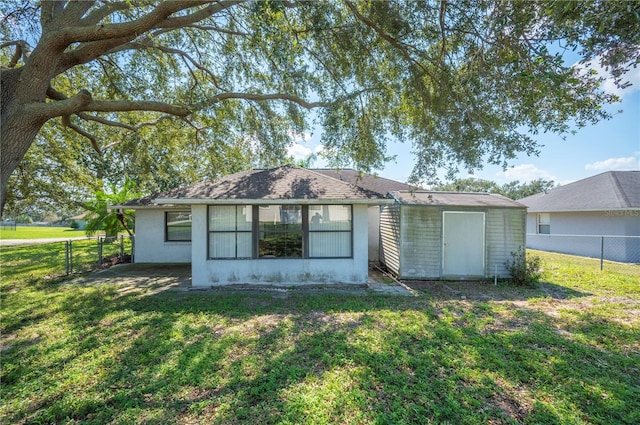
<point x="201" y="357"/>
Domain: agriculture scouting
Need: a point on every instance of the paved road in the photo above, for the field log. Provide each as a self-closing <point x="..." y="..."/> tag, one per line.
<point x="14" y="242"/>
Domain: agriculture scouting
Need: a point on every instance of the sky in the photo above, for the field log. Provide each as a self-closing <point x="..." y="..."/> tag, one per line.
<point x="611" y="145"/>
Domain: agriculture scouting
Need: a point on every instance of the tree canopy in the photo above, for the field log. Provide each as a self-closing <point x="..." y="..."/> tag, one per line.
<point x="184" y="90"/>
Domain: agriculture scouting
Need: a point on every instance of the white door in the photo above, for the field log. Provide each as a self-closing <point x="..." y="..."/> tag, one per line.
<point x="462" y="243"/>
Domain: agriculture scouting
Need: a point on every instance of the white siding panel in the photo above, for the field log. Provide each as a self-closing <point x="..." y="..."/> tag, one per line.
<point x="390" y="237"/>
<point x="420" y="242"/>
<point x="505" y="234"/>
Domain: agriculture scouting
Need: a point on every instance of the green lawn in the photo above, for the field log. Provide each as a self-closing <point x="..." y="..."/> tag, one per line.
<point x="567" y="352"/>
<point x="37" y="232"/>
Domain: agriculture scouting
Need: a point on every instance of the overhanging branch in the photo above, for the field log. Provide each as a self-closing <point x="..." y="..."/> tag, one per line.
<point x="274" y="96"/>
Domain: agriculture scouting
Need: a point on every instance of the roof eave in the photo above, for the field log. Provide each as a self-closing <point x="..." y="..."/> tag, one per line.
<point x="209" y="201"/>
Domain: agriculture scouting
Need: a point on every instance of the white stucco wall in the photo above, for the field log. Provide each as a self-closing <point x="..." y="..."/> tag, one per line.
<point x="374" y="233"/>
<point x="207" y="273"/>
<point x="150" y="246"/>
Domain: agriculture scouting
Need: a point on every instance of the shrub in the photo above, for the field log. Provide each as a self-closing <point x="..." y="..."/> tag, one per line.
<point x="74" y="224"/>
<point x="525" y="271"/>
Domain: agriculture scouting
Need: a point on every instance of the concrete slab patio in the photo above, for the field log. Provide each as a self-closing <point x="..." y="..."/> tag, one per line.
<point x="177" y="277"/>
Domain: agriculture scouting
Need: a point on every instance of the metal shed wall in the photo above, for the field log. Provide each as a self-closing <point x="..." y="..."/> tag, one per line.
<point x="411" y="239"/>
<point x="420" y="242"/>
<point x="390" y="237"/>
<point x="505" y="234"/>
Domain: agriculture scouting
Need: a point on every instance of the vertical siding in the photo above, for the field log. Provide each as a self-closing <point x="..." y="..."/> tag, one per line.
<point x="505" y="233"/>
<point x="390" y="237"/>
<point x="420" y="242"/>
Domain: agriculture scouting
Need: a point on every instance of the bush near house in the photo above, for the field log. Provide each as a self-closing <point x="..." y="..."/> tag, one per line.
<point x="457" y="352"/>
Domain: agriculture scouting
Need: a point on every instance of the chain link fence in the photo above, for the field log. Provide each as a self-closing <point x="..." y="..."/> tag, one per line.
<point x="606" y="248"/>
<point x="71" y="256"/>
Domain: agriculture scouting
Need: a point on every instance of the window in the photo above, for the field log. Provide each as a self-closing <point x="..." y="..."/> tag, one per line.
<point x="178" y="226"/>
<point x="329" y="231"/>
<point x="230" y="231"/>
<point x="544" y="224"/>
<point x="280" y="231"/>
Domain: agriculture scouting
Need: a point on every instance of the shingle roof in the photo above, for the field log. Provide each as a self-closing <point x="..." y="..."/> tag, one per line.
<point x="455" y="199"/>
<point x="605" y="191"/>
<point x="283" y="183"/>
<point x="376" y="184"/>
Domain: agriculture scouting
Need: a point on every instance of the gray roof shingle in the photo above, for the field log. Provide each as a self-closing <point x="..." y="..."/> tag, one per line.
<point x="282" y="183"/>
<point x="605" y="191"/>
<point x="455" y="199"/>
<point x="369" y="182"/>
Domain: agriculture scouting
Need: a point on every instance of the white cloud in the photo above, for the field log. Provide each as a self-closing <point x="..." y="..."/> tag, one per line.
<point x="615" y="164"/>
<point x="298" y="151"/>
<point x="526" y="173"/>
<point x="608" y="85"/>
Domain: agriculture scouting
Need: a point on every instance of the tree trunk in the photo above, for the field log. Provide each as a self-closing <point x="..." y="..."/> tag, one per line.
<point x="17" y="132"/>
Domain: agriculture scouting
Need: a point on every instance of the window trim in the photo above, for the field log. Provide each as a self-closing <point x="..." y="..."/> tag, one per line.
<point x="309" y="231"/>
<point x="539" y="223"/>
<point x="166" y="226"/>
<point x="235" y="232"/>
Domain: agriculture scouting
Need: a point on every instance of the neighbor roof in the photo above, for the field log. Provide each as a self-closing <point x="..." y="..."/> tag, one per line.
<point x="605" y="191"/>
<point x="455" y="199"/>
<point x="369" y="182"/>
<point x="287" y="184"/>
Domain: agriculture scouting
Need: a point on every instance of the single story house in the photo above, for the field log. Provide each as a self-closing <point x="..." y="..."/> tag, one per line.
<point x="281" y="225"/>
<point x="599" y="215"/>
<point x="292" y="225"/>
<point x="450" y="235"/>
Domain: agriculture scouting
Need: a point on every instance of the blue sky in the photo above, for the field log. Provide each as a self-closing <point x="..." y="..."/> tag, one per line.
<point x="608" y="145"/>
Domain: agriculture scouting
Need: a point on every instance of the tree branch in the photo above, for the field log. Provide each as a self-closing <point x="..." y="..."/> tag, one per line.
<point x="75" y="10"/>
<point x="23" y="50"/>
<point x="135" y="105"/>
<point x="66" y="120"/>
<point x="159" y="17"/>
<point x="102" y="12"/>
<point x="83" y="102"/>
<point x="275" y="96"/>
<point x="443" y="11"/>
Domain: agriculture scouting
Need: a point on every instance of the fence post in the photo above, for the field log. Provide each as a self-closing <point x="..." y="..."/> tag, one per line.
<point x="70" y="257"/>
<point x="66" y="257"/>
<point x="100" y="242"/>
<point x="601" y="252"/>
<point x="121" y="247"/>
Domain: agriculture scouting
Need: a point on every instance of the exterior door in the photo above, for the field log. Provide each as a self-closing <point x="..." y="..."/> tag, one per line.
<point x="462" y="243"/>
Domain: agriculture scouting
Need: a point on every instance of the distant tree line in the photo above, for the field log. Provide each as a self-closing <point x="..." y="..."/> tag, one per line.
<point x="513" y="190"/>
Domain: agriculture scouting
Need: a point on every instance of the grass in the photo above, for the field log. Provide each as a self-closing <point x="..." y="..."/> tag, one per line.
<point x="37" y="232"/>
<point x="467" y="353"/>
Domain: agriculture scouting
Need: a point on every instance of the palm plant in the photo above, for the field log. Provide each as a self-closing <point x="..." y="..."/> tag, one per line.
<point x="112" y="221"/>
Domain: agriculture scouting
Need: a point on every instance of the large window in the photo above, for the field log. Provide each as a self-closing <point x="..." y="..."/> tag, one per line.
<point x="178" y="226"/>
<point x="544" y="224"/>
<point x="230" y="231"/>
<point x="329" y="231"/>
<point x="280" y="231"/>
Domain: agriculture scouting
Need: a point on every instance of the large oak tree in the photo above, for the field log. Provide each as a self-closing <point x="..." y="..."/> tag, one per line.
<point x="464" y="81"/>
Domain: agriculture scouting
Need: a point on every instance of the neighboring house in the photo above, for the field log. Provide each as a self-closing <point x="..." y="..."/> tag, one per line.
<point x="282" y="225"/>
<point x="81" y="220"/>
<point x="379" y="185"/>
<point x="433" y="235"/>
<point x="574" y="218"/>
